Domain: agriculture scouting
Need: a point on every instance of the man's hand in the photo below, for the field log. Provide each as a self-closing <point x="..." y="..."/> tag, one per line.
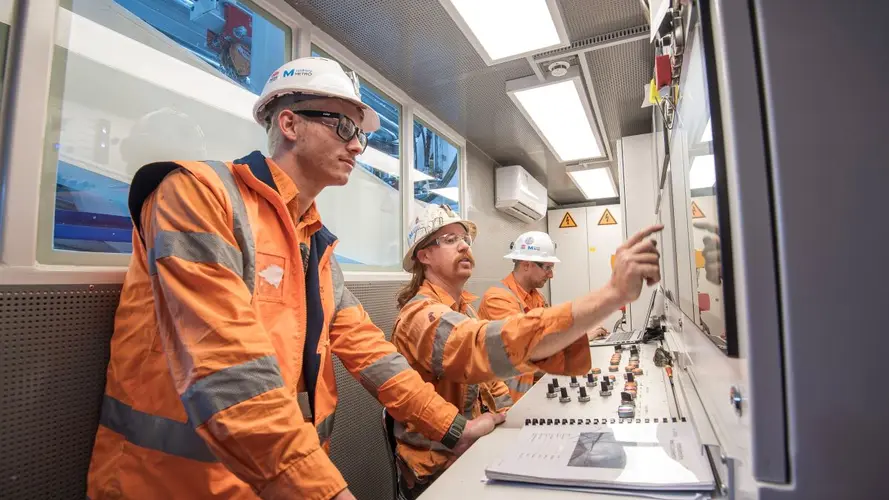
<point x="476" y="428"/>
<point x="344" y="495"/>
<point x="597" y="333"/>
<point x="637" y="260"/>
<point x="712" y="253"/>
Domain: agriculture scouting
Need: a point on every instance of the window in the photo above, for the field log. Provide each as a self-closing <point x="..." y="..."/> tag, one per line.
<point x="436" y="169"/>
<point x="136" y="81"/>
<point x="366" y="212"/>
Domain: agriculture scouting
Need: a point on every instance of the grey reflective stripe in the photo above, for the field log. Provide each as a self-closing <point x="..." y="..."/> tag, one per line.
<point x="205" y="248"/>
<point x="382" y="370"/>
<point x="503" y="286"/>
<point x="154" y="432"/>
<point x="241" y="224"/>
<point x="497" y="356"/>
<point x="503" y="401"/>
<point x="445" y="326"/>
<point x="469" y="400"/>
<point x="518" y="385"/>
<point x="325" y="428"/>
<point x="470" y="311"/>
<point x="231" y="386"/>
<point x="416" y="439"/>
<point x="417" y="298"/>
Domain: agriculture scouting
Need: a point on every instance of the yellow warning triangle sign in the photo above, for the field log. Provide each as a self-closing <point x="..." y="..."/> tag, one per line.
<point x="696" y="212"/>
<point x="567" y="221"/>
<point x="607" y="219"/>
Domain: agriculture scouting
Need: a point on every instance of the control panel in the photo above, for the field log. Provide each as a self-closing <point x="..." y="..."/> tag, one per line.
<point x="623" y="385"/>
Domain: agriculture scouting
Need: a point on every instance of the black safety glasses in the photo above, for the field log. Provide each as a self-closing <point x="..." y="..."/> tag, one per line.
<point x="345" y="127"/>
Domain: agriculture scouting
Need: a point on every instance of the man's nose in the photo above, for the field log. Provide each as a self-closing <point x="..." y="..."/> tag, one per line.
<point x="353" y="146"/>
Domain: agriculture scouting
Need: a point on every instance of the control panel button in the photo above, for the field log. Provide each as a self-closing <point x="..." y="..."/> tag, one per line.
<point x="597" y="371"/>
<point x="574" y="381"/>
<point x="564" y="396"/>
<point x="583" y="395"/>
<point x="550" y="391"/>
<point x="590" y="380"/>
<point x="555" y="382"/>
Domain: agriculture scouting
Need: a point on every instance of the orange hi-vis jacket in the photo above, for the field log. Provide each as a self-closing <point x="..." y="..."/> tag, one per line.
<point x="458" y="352"/>
<point x="508" y="298"/>
<point x="221" y="381"/>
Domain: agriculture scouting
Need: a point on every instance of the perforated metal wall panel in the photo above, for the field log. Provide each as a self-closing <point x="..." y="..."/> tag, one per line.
<point x="54" y="347"/>
<point x="358" y="445"/>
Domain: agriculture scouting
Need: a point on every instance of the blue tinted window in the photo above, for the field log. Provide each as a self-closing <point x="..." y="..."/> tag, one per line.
<point x="112" y="117"/>
<point x="437" y="168"/>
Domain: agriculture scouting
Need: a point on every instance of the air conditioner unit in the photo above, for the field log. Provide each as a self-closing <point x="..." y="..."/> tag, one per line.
<point x="519" y="194"/>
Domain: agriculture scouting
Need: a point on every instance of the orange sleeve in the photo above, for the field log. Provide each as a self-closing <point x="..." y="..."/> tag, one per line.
<point x="376" y="364"/>
<point x="470" y="351"/>
<point x="498" y="304"/>
<point x="221" y="359"/>
<point x="496" y="396"/>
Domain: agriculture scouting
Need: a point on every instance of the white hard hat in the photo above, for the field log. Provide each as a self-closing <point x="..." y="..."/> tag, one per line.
<point x="533" y="246"/>
<point x="316" y="76"/>
<point x="433" y="218"/>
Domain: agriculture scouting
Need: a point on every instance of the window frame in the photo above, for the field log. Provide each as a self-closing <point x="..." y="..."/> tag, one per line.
<point x="461" y="158"/>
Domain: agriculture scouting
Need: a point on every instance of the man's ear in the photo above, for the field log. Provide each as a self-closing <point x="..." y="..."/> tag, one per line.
<point x="423" y="256"/>
<point x="287" y="122"/>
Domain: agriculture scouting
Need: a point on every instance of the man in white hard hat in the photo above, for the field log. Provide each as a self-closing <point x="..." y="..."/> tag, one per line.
<point x="441" y="336"/>
<point x="534" y="257"/>
<point x="221" y="381"/>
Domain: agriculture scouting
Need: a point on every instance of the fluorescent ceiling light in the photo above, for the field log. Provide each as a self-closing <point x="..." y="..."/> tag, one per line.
<point x="109" y="48"/>
<point x="507" y="29"/>
<point x="707" y="135"/>
<point x="560" y="114"/>
<point x="703" y="172"/>
<point x="451" y="193"/>
<point x="594" y="183"/>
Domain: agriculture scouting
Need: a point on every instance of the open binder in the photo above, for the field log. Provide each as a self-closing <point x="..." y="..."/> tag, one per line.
<point x="615" y="456"/>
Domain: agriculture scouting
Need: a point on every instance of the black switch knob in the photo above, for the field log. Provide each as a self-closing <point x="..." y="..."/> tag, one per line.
<point x="630" y="377"/>
<point x="527" y="421"/>
<point x="617" y="348"/>
<point x="555" y="382"/>
<point x="604" y="386"/>
<point x="549" y="421"/>
<point x="590" y="380"/>
<point x="533" y="421"/>
<point x="574" y="381"/>
<point x="626" y="397"/>
<point x="583" y="395"/>
<point x="557" y="422"/>
<point x="565" y="397"/>
<point x="550" y="391"/>
<point x="564" y="421"/>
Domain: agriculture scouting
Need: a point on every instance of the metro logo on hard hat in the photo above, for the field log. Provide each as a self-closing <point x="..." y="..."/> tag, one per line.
<point x="533" y="246"/>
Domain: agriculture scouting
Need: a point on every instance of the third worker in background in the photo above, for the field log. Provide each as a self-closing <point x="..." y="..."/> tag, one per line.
<point x="534" y="257"/>
<point x="442" y="338"/>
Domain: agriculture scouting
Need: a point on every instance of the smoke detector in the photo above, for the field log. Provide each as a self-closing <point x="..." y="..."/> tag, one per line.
<point x="558" y="68"/>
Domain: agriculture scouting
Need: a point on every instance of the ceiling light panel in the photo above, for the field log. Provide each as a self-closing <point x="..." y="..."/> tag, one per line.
<point x="560" y="113"/>
<point x="502" y="30"/>
<point x="595" y="183"/>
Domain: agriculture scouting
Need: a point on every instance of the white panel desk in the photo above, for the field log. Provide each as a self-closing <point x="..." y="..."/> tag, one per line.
<point x="465" y="479"/>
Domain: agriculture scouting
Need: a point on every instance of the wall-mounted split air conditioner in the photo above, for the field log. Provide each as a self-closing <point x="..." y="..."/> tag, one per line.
<point x="519" y="195"/>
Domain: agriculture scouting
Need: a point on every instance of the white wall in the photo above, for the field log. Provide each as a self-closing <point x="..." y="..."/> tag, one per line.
<point x="638" y="193"/>
<point x="602" y="243"/>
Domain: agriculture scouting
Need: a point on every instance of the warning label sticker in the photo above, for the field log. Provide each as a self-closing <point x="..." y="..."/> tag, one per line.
<point x="567" y="221"/>
<point x="607" y="219"/>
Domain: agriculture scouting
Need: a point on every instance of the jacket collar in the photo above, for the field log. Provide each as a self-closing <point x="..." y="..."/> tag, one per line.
<point x="434" y="291"/>
<point x="529" y="299"/>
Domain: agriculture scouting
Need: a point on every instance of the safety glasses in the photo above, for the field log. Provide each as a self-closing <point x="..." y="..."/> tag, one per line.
<point x="546" y="267"/>
<point x="450" y="240"/>
<point x="345" y="127"/>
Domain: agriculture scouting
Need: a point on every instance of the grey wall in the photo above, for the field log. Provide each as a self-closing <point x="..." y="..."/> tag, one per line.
<point x="496" y="230"/>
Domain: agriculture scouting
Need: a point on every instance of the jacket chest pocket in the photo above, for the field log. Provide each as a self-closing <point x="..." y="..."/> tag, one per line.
<point x="271" y="273"/>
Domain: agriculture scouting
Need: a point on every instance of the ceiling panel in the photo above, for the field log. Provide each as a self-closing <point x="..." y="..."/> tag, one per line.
<point x="588" y="18"/>
<point x="418" y="47"/>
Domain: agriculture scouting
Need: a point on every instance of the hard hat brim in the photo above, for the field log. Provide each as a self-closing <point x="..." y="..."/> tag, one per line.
<point x="530" y="258"/>
<point x="407" y="263"/>
<point x="370" y="123"/>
